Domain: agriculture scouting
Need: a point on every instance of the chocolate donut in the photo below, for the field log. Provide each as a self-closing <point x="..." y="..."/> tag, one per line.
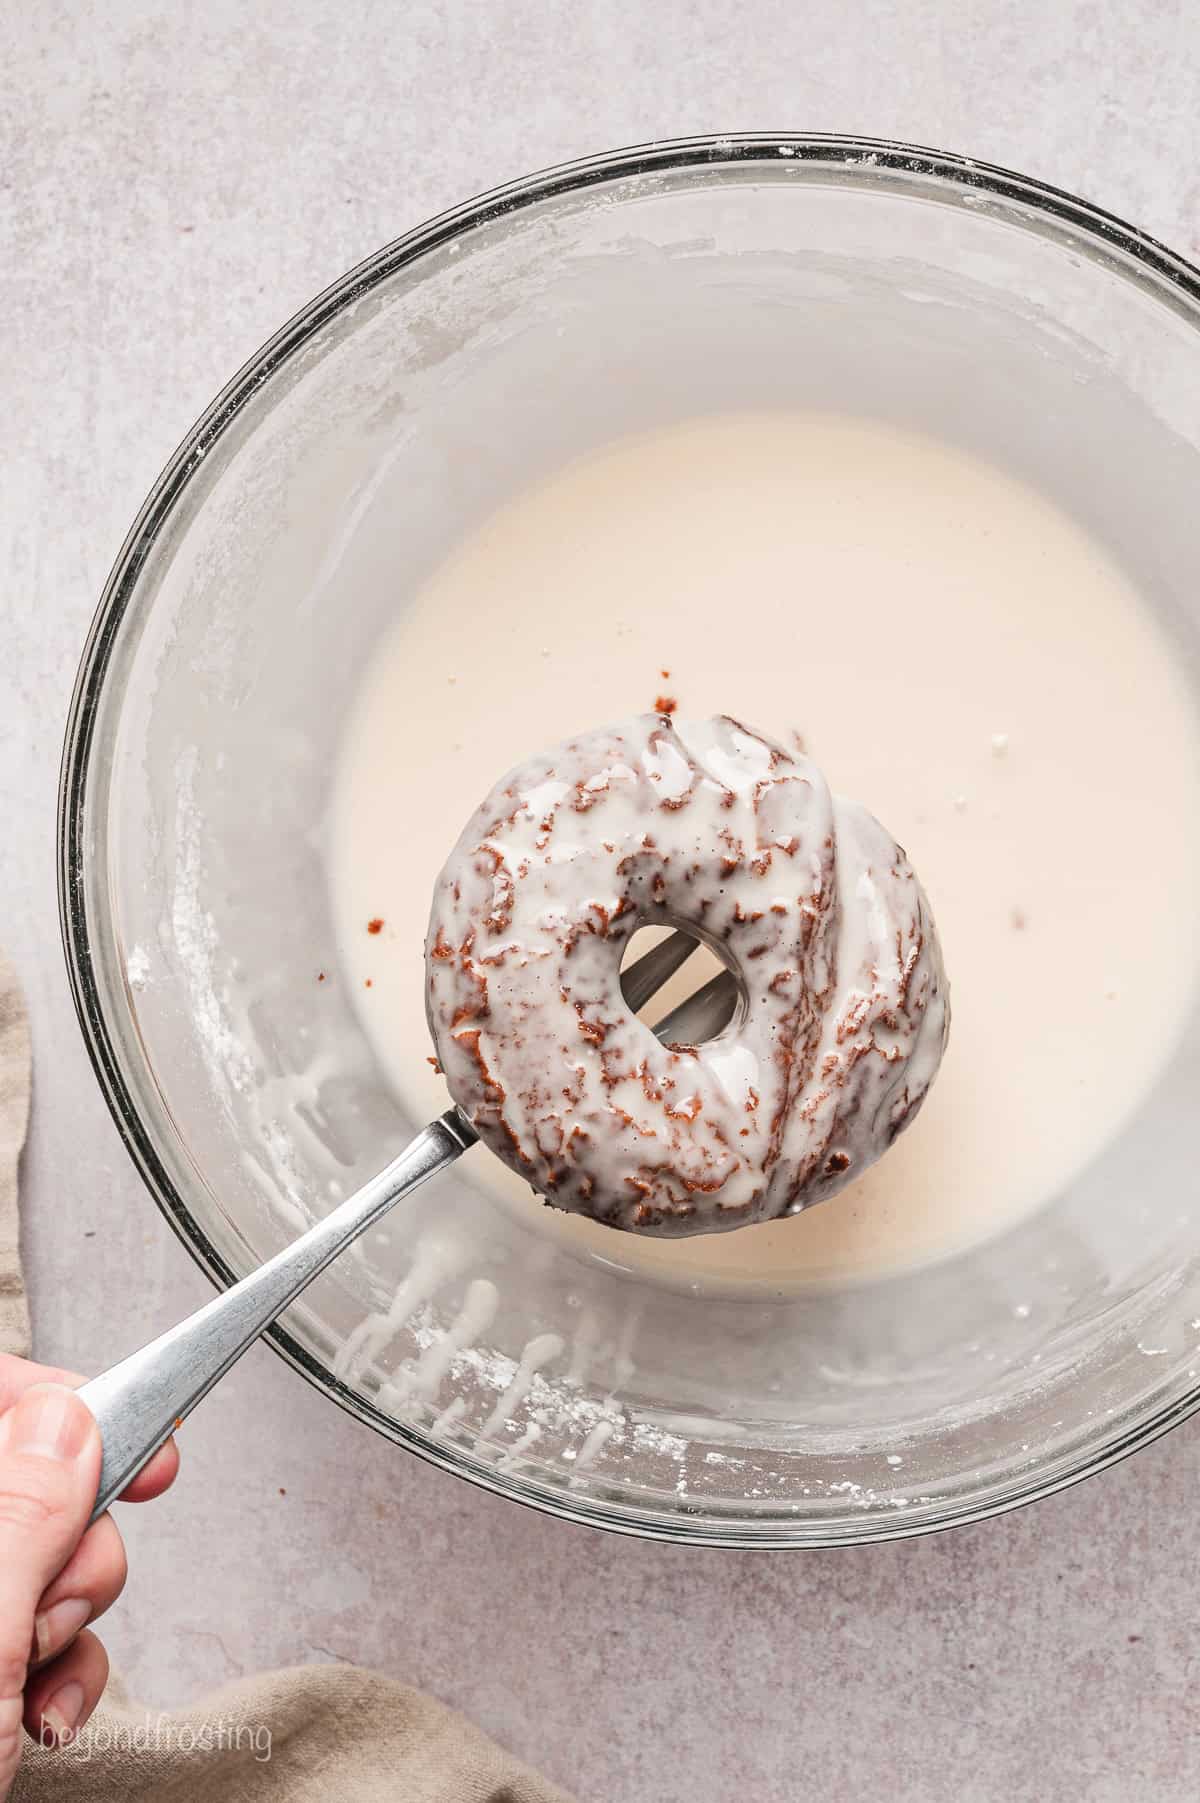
<point x="708" y="826"/>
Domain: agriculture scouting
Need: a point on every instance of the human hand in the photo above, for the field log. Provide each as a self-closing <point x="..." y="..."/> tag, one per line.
<point x="56" y="1573"/>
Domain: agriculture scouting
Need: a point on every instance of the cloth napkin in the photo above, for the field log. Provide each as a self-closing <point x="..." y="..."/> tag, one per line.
<point x="316" y="1734"/>
<point x="319" y="1734"/>
<point x="14" y="1115"/>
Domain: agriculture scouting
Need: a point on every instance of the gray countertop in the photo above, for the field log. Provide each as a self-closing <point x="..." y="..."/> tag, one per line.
<point x="174" y="182"/>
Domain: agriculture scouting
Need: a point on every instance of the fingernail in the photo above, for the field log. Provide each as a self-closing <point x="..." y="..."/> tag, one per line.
<point x="61" y="1714"/>
<point x="57" y="1626"/>
<point x="49" y="1422"/>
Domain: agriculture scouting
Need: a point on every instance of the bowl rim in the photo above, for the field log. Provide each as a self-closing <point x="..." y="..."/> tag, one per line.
<point x="857" y="160"/>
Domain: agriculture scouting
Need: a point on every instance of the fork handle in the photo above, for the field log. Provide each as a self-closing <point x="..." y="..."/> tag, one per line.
<point x="139" y="1403"/>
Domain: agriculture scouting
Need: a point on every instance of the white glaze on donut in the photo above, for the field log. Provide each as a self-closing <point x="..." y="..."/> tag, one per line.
<point x="709" y="826"/>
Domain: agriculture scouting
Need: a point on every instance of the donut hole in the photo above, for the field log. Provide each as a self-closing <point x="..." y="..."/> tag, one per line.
<point x="702" y="980"/>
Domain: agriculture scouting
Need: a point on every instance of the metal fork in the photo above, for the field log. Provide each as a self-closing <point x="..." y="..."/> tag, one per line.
<point x="141" y="1401"/>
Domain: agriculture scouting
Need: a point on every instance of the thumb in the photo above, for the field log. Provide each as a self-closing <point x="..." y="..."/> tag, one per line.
<point x="49" y="1473"/>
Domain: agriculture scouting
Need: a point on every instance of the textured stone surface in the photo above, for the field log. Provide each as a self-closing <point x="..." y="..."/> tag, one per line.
<point x="174" y="181"/>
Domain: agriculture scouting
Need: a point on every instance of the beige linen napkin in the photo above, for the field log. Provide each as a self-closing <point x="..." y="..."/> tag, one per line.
<point x="14" y="1113"/>
<point x="319" y="1734"/>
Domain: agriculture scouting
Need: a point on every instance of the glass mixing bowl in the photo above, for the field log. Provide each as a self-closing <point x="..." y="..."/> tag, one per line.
<point x="303" y="511"/>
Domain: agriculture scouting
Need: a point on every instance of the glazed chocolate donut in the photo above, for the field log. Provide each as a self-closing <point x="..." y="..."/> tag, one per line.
<point x="710" y="827"/>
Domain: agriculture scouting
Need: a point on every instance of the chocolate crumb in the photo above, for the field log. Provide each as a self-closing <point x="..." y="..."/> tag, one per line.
<point x="320" y="976"/>
<point x="282" y="1491"/>
<point x="375" y="926"/>
<point x="666" y="675"/>
<point x="368" y="983"/>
